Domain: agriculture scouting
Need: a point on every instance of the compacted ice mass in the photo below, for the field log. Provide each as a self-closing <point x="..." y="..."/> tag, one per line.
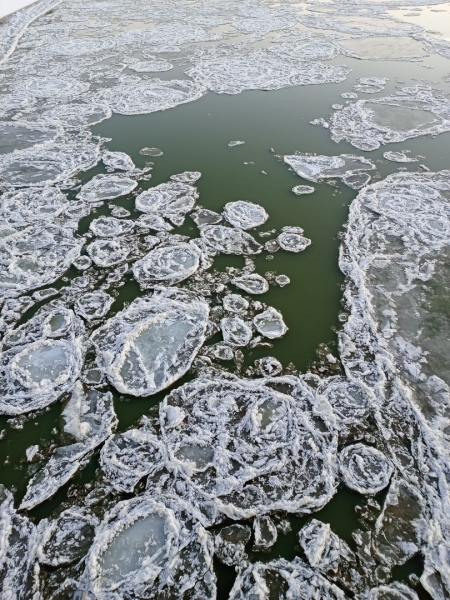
<point x="183" y="455"/>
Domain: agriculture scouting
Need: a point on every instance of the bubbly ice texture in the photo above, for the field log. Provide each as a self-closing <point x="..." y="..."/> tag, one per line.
<point x="89" y="419"/>
<point x="314" y="167"/>
<point x="40" y="360"/>
<point x="244" y="215"/>
<point x="169" y="264"/>
<point x="411" y="112"/>
<point x="248" y="448"/>
<point x="152" y="343"/>
<point x="147" y="546"/>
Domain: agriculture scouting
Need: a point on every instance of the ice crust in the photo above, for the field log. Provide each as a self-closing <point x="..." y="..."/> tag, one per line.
<point x="262" y="70"/>
<point x="152" y="343"/>
<point x="412" y="112"/>
<point x="315" y="167"/>
<point x="301" y="190"/>
<point x="223" y="446"/>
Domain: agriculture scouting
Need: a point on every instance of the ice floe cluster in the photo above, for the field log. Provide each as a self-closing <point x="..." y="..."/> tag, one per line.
<point x="258" y="444"/>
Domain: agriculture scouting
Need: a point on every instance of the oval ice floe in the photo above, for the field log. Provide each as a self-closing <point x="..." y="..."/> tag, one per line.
<point x="292" y="241"/>
<point x="229" y="240"/>
<point x="110" y="227"/>
<point x="106" y="187"/>
<point x="244" y="215"/>
<point x="148" y="546"/>
<point x="235" y="331"/>
<point x="251" y="283"/>
<point x="93" y="305"/>
<point x="365" y="469"/>
<point x="107" y="253"/>
<point x="270" y="324"/>
<point x="152" y="343"/>
<point x="170" y="264"/>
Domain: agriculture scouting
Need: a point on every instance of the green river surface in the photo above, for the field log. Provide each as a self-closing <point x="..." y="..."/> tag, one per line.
<point x="195" y="137"/>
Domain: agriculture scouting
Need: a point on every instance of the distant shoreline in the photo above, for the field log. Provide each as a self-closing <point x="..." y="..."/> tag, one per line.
<point x="9" y="7"/>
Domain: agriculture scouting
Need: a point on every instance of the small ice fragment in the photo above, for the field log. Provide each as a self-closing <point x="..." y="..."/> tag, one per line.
<point x="82" y="263"/>
<point x="349" y="96"/>
<point x="203" y="216"/>
<point x="31" y="452"/>
<point x="169" y="264"/>
<point x="228" y="240"/>
<point x="268" y="366"/>
<point x="110" y="227"/>
<point x="119" y="212"/>
<point x="251" y="283"/>
<point x="270" y="324"/>
<point x="222" y="352"/>
<point x="119" y="161"/>
<point x="265" y="532"/>
<point x="356" y="181"/>
<point x="106" y="253"/>
<point x="316" y="167"/>
<point x="235" y="331"/>
<point x="399" y="157"/>
<point x="235" y="143"/>
<point x="282" y="280"/>
<point x="235" y="303"/>
<point x="293" y="242"/>
<point x="271" y="246"/>
<point x="230" y="544"/>
<point x="151" y="152"/>
<point x="93" y="305"/>
<point x="300" y="190"/>
<point x="365" y="469"/>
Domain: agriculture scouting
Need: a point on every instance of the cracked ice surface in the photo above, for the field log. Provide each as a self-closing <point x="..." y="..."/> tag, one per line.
<point x="244" y="215"/>
<point x="152" y="343"/>
<point x="151" y="545"/>
<point x="40" y="361"/>
<point x="168" y="264"/>
<point x="247" y="447"/>
<point x="89" y="419"/>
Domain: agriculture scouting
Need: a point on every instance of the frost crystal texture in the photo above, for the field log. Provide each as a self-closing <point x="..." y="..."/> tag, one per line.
<point x="252" y="283"/>
<point x="365" y="469"/>
<point x="40" y="361"/>
<point x="228" y="240"/>
<point x="259" y="447"/>
<point x="106" y="187"/>
<point x="152" y="343"/>
<point x="145" y="547"/>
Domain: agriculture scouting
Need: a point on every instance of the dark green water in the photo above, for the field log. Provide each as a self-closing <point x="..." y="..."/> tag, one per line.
<point x="195" y="137"/>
